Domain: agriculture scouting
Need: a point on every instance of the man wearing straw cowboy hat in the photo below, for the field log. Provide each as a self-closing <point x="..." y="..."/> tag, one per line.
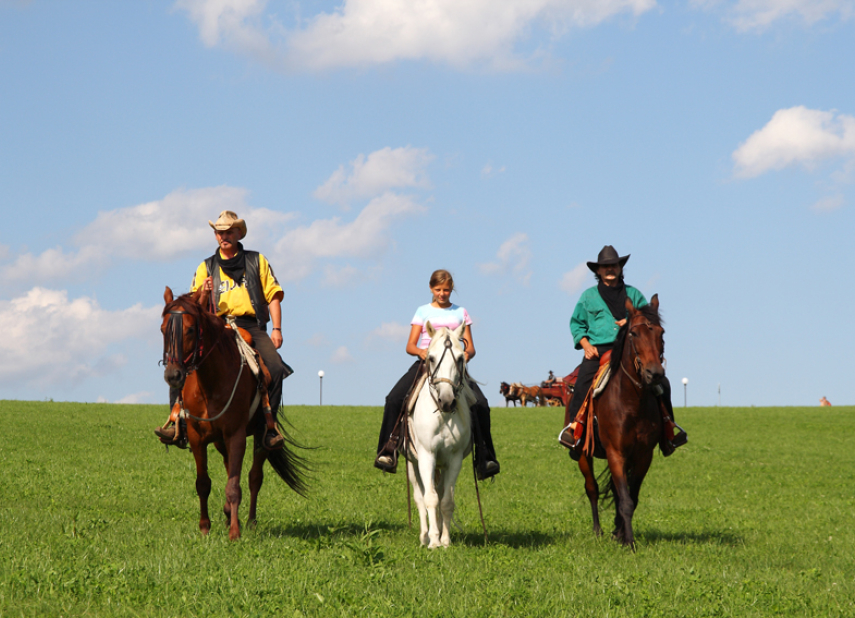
<point x="599" y="315"/>
<point x="244" y="287"/>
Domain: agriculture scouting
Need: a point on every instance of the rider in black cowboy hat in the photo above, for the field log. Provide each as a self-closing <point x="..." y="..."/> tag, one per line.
<point x="599" y="315"/>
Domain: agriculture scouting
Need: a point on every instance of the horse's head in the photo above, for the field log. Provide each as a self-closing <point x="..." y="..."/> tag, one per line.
<point x="446" y="365"/>
<point x="182" y="335"/>
<point x="645" y="341"/>
<point x="504" y="388"/>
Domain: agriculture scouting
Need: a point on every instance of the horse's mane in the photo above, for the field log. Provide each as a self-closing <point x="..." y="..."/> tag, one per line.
<point x="187" y="302"/>
<point x="617" y="350"/>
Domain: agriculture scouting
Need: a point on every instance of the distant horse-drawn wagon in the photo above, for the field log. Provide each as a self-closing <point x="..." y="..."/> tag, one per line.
<point x="558" y="392"/>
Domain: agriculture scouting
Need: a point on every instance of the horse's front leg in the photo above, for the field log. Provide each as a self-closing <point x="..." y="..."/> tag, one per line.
<point x="449" y="479"/>
<point x="427" y="472"/>
<point x="256" y="476"/>
<point x="418" y="495"/>
<point x="236" y="446"/>
<point x="624" y="506"/>
<point x="592" y="490"/>
<point x="203" y="484"/>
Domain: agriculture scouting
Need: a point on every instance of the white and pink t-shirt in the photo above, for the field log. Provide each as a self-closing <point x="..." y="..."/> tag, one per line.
<point x="450" y="317"/>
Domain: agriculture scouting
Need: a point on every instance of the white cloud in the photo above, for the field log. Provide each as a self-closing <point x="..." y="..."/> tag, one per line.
<point x="341" y="356"/>
<point x="318" y="340"/>
<point x="364" y="237"/>
<point x="161" y="230"/>
<point x="796" y="136"/>
<point x="391" y="331"/>
<point x="49" y="339"/>
<point x="361" y="33"/>
<point x="759" y="14"/>
<point x="513" y="257"/>
<point x="574" y="280"/>
<point x="828" y="204"/>
<point x="377" y="173"/>
<point x="488" y="170"/>
<point x="341" y="276"/>
<point x="140" y="397"/>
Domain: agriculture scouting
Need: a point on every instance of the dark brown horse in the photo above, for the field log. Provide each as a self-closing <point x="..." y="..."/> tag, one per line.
<point x="629" y="419"/>
<point x="202" y="358"/>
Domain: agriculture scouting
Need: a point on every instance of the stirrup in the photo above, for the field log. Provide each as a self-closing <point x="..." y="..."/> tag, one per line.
<point x="488" y="470"/>
<point x="387" y="463"/>
<point x="272" y="441"/>
<point x="171" y="436"/>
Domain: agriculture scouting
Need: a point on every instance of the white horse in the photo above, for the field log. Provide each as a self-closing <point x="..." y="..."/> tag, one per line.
<point x="440" y="434"/>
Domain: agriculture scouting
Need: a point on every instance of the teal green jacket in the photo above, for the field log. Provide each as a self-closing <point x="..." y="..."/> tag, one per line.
<point x="592" y="318"/>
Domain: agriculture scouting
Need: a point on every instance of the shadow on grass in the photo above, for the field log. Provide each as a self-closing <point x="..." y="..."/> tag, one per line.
<point x="654" y="537"/>
<point x="514" y="540"/>
<point x="313" y="532"/>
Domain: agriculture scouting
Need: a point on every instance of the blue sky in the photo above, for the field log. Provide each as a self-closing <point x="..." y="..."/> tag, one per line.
<point x="369" y="142"/>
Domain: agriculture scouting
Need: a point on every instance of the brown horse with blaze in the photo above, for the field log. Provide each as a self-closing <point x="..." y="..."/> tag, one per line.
<point x="222" y="400"/>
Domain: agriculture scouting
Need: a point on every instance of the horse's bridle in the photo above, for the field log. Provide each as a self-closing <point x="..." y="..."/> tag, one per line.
<point x="433" y="381"/>
<point x="636" y="362"/>
<point x="173" y="344"/>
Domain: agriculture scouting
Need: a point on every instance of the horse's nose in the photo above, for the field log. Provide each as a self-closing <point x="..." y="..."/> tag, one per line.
<point x="174" y="376"/>
<point x="654" y="375"/>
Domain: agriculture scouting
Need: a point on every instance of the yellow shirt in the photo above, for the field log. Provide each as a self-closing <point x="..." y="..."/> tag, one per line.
<point x="234" y="297"/>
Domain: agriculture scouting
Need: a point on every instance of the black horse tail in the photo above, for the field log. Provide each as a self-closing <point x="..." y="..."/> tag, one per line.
<point x="291" y="467"/>
<point x="607" y="497"/>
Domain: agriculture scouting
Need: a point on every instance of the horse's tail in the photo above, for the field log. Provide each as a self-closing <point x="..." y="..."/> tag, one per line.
<point x="291" y="467"/>
<point x="604" y="479"/>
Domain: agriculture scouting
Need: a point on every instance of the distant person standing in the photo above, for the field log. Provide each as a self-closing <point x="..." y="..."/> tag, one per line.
<point x="824" y="402"/>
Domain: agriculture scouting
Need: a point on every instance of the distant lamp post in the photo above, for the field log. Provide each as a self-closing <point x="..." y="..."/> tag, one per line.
<point x="685" y="383"/>
<point x="321" y="377"/>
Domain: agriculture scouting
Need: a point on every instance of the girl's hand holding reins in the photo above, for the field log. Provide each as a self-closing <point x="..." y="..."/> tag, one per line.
<point x="209" y="283"/>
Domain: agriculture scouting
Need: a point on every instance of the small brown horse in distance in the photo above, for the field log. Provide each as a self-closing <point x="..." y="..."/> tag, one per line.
<point x="202" y="357"/>
<point x="532" y="394"/>
<point x="629" y="420"/>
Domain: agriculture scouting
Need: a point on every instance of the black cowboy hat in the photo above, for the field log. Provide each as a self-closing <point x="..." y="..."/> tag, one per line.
<point x="608" y="255"/>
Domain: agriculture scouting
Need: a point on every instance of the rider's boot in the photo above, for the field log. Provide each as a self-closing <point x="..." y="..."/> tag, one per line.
<point x="486" y="465"/>
<point x="170" y="432"/>
<point x="670" y="439"/>
<point x="387" y="458"/>
<point x="273" y="440"/>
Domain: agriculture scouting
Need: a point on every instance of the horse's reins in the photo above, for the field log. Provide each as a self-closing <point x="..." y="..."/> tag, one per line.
<point x="173" y="344"/>
<point x="433" y="381"/>
<point x="635" y="361"/>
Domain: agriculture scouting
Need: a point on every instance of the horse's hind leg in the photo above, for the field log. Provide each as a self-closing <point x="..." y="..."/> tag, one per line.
<point x="203" y="484"/>
<point x="256" y="477"/>
<point x="592" y="490"/>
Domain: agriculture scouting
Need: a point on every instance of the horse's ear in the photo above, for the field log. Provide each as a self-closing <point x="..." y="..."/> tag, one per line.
<point x="199" y="295"/>
<point x="654" y="302"/>
<point x="204" y="297"/>
<point x="431" y="331"/>
<point x="629" y="306"/>
<point x="458" y="332"/>
<point x="167" y="296"/>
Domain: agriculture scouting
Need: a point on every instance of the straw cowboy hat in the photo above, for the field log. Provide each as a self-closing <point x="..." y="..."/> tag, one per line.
<point x="227" y="221"/>
<point x="608" y="255"/>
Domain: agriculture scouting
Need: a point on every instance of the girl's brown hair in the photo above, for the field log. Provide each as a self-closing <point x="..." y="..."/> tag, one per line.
<point x="441" y="276"/>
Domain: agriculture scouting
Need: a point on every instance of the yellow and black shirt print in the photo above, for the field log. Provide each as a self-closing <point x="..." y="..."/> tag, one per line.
<point x="234" y="297"/>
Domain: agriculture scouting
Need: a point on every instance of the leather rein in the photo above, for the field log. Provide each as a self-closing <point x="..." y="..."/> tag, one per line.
<point x="635" y="360"/>
<point x="433" y="381"/>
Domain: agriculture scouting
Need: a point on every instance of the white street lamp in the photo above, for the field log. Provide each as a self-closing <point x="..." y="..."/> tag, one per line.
<point x="685" y="383"/>
<point x="321" y="377"/>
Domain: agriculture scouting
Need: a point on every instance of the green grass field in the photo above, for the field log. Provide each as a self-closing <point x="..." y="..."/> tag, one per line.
<point x="753" y="518"/>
